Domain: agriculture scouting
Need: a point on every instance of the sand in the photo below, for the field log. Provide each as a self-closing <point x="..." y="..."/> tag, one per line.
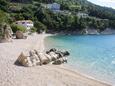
<point x="46" y="75"/>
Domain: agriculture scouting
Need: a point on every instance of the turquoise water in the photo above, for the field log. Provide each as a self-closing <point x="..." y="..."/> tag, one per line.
<point x="93" y="55"/>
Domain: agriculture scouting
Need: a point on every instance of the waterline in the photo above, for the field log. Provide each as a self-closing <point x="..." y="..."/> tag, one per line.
<point x="93" y="55"/>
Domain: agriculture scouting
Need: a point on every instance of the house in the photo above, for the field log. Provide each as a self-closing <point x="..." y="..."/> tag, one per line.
<point x="53" y="6"/>
<point x="82" y="14"/>
<point x="26" y="23"/>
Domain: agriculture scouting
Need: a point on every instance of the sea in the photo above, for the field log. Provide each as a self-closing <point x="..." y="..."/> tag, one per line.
<point x="93" y="55"/>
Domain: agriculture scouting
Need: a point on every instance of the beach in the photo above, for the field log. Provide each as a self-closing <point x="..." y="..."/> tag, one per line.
<point x="46" y="75"/>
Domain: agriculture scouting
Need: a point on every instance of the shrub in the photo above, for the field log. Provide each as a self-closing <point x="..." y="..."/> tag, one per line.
<point x="16" y="27"/>
<point x="40" y="26"/>
<point x="33" y="29"/>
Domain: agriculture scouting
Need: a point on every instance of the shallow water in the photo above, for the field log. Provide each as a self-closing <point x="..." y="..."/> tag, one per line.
<point x="93" y="55"/>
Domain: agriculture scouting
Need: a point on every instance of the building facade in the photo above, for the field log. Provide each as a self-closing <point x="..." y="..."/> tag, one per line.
<point x="53" y="6"/>
<point x="26" y="23"/>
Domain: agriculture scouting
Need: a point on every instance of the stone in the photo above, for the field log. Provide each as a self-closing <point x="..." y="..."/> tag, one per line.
<point x="19" y="35"/>
<point x="49" y="57"/>
<point x="7" y="34"/>
<point x="22" y="59"/>
<point x="51" y="50"/>
<point x="57" y="62"/>
<point x="34" y="58"/>
<point x="66" y="53"/>
<point x="37" y="53"/>
<point x="44" y="59"/>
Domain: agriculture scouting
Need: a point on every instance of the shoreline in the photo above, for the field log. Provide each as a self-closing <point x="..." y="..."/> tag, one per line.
<point x="46" y="75"/>
<point x="68" y="68"/>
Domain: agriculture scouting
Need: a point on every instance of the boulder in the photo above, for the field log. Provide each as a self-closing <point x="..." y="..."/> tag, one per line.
<point x="28" y="60"/>
<point x="51" y="50"/>
<point x="57" y="62"/>
<point x="60" y="61"/>
<point x="66" y="53"/>
<point x="44" y="59"/>
<point x="6" y="34"/>
<point x="24" y="60"/>
<point x="20" y="35"/>
<point x="34" y="58"/>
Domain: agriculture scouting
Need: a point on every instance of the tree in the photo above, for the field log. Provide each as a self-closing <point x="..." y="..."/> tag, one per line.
<point x="3" y="17"/>
<point x="4" y="4"/>
<point x="40" y="26"/>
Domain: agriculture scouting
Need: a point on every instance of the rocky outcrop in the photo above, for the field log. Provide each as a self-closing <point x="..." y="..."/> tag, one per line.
<point x="7" y="34"/>
<point x="34" y="58"/>
<point x="91" y="31"/>
<point x="108" y="31"/>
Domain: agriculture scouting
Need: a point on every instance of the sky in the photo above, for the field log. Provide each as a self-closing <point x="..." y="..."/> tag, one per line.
<point x="106" y="3"/>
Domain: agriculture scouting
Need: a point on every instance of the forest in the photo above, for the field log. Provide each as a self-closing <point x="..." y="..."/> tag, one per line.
<point x="98" y="17"/>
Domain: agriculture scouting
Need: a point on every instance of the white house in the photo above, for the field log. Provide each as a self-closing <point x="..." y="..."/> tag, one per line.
<point x="26" y="23"/>
<point x="82" y="14"/>
<point x="53" y="6"/>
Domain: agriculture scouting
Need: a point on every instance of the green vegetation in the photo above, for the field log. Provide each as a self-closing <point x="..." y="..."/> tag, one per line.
<point x="40" y="26"/>
<point x="33" y="29"/>
<point x="16" y="27"/>
<point x="68" y="19"/>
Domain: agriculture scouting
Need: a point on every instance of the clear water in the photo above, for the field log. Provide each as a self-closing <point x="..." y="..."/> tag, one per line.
<point x="93" y="55"/>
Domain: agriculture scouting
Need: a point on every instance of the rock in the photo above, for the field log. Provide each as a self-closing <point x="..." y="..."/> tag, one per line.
<point x="27" y="60"/>
<point x="108" y="31"/>
<point x="7" y="34"/>
<point x="51" y="50"/>
<point x="57" y="62"/>
<point x="64" y="59"/>
<point x="23" y="60"/>
<point x="66" y="53"/>
<point x="49" y="57"/>
<point x="60" y="54"/>
<point x="20" y="35"/>
<point x="36" y="52"/>
<point x="44" y="59"/>
<point x="90" y="31"/>
<point x="34" y="58"/>
<point x="53" y="54"/>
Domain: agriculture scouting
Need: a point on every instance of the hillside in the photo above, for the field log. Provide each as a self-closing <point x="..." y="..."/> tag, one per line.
<point x="68" y="19"/>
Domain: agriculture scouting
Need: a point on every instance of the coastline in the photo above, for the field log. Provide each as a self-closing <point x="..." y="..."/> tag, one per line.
<point x="47" y="75"/>
<point x="87" y="31"/>
<point x="71" y="69"/>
